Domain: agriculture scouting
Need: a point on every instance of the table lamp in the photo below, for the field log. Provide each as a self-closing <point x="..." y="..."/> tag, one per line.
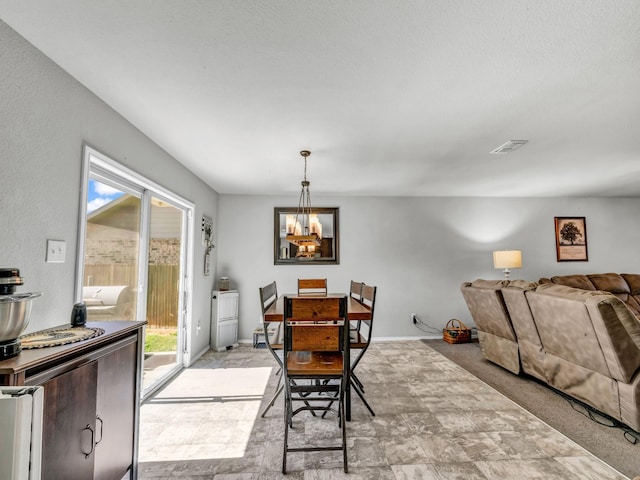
<point x="507" y="259"/>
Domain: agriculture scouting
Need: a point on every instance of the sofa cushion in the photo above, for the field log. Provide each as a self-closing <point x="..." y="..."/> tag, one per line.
<point x="523" y="284"/>
<point x="625" y="286"/>
<point x="632" y="303"/>
<point x="633" y="280"/>
<point x="489" y="284"/>
<point x="489" y="313"/>
<point x="618" y="333"/>
<point x="609" y="282"/>
<point x="565" y="291"/>
<point x="575" y="281"/>
<point x="531" y="351"/>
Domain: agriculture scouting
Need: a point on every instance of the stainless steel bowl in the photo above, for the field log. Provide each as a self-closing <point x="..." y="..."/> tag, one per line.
<point x="15" y="310"/>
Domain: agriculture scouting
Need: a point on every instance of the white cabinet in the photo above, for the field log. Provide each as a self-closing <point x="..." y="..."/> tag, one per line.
<point x="224" y="319"/>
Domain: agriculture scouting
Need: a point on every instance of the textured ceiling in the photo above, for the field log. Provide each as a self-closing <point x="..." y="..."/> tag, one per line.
<point x="392" y="97"/>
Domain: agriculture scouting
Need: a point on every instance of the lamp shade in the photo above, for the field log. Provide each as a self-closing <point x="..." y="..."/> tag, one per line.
<point x="507" y="259"/>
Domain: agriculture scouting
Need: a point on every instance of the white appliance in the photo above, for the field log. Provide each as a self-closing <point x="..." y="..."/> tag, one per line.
<point x="224" y="319"/>
<point x="21" y="432"/>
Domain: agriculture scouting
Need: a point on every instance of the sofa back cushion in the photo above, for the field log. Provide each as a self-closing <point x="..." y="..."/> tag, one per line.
<point x="592" y="329"/>
<point x="564" y="325"/>
<point x="609" y="282"/>
<point x="487" y="308"/>
<point x="531" y="351"/>
<point x="633" y="280"/>
<point x="519" y="311"/>
<point x="575" y="281"/>
<point x="625" y="286"/>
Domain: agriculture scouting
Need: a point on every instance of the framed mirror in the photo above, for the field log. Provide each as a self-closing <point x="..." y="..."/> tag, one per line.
<point x="323" y="251"/>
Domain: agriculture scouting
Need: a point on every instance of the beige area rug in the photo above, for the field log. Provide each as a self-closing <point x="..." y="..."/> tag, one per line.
<point x="434" y="421"/>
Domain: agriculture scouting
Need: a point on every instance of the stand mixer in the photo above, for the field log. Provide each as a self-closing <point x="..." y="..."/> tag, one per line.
<point x="15" y="310"/>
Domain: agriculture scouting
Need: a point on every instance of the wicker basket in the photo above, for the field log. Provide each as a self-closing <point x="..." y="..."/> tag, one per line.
<point x="456" y="332"/>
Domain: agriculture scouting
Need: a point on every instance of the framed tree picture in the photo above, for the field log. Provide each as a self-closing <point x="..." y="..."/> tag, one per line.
<point x="571" y="239"/>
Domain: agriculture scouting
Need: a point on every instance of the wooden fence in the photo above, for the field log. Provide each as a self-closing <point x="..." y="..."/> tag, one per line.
<point x="162" y="292"/>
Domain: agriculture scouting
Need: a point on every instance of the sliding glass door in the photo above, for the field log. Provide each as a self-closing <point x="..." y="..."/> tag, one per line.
<point x="133" y="261"/>
<point x="164" y="337"/>
<point x="111" y="250"/>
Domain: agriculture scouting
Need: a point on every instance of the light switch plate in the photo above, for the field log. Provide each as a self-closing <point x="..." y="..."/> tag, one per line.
<point x="56" y="251"/>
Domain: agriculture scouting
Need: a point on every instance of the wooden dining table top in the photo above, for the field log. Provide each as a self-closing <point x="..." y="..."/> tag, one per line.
<point x="355" y="309"/>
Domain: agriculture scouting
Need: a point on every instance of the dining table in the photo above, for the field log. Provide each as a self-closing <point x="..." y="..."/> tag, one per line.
<point x="355" y="311"/>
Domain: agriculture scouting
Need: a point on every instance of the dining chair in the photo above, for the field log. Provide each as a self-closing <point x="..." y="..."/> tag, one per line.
<point x="269" y="295"/>
<point x="315" y="365"/>
<point x="360" y="339"/>
<point x="312" y="286"/>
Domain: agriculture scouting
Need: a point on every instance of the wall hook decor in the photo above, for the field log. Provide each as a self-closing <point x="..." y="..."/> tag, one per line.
<point x="207" y="241"/>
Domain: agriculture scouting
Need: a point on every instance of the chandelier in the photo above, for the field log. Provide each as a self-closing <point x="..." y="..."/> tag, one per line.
<point x="304" y="228"/>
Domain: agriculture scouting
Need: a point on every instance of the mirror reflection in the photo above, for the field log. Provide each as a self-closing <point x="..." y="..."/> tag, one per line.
<point x="302" y="240"/>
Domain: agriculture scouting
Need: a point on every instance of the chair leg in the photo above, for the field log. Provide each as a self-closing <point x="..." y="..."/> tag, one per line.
<point x="275" y="395"/>
<point x="361" y="395"/>
<point x="355" y="378"/>
<point x="287" y="422"/>
<point x="343" y="425"/>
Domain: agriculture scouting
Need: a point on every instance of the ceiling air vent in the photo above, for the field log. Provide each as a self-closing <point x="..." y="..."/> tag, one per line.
<point x="509" y="147"/>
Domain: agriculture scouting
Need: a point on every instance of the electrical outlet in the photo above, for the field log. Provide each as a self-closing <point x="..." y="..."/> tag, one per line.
<point x="414" y="318"/>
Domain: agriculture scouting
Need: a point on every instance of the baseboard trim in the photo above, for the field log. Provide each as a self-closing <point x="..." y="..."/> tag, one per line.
<point x="198" y="355"/>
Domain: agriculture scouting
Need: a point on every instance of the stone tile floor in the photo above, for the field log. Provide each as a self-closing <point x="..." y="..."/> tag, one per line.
<point x="434" y="421"/>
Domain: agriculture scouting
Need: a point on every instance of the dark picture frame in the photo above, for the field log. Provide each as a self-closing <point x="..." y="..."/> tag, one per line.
<point x="328" y="253"/>
<point x="571" y="239"/>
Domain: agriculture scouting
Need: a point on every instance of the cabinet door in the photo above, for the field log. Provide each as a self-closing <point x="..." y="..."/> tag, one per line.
<point x="68" y="424"/>
<point x="228" y="305"/>
<point x="116" y="406"/>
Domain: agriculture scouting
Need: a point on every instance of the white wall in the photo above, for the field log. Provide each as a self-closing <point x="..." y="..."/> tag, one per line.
<point x="419" y="250"/>
<point x="45" y="117"/>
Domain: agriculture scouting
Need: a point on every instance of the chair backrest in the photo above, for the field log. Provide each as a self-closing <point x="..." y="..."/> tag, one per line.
<point x="268" y="295"/>
<point x="368" y="297"/>
<point x="315" y="323"/>
<point x="355" y="290"/>
<point x="312" y="286"/>
<point x="365" y="327"/>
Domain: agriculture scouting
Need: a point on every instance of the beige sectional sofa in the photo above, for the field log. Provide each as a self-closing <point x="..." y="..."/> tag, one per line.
<point x="582" y="341"/>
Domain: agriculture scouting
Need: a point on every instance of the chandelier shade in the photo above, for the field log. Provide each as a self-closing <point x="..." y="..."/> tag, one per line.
<point x="304" y="228"/>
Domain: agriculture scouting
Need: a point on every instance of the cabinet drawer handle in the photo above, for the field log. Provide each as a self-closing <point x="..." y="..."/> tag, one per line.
<point x="88" y="427"/>
<point x="101" y="428"/>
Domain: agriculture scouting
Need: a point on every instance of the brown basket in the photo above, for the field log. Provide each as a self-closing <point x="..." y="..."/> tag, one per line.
<point x="456" y="332"/>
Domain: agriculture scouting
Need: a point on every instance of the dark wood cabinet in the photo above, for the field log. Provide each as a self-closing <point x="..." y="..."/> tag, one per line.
<point x="68" y="432"/>
<point x="115" y="422"/>
<point x="91" y="402"/>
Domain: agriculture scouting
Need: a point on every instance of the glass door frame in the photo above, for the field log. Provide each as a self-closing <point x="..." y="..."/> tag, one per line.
<point x="103" y="166"/>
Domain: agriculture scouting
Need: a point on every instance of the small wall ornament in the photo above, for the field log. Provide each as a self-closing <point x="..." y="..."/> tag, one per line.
<point x="207" y="242"/>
